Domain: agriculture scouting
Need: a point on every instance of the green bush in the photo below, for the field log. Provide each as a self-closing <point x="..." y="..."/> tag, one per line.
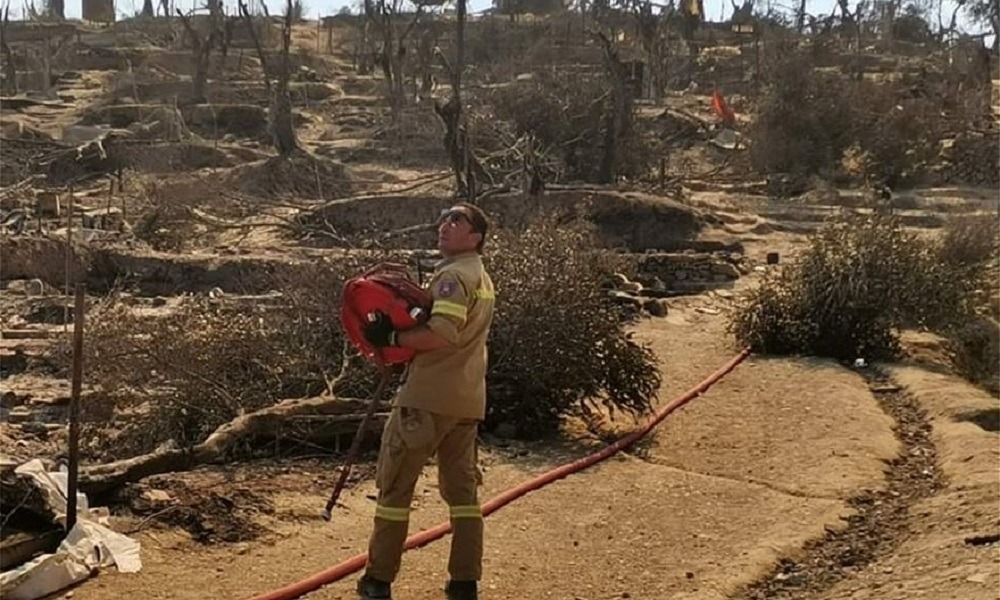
<point x="558" y="346"/>
<point x="862" y="278"/>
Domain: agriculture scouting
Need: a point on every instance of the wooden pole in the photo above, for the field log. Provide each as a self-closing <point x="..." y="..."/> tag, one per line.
<point x="69" y="251"/>
<point x="74" y="408"/>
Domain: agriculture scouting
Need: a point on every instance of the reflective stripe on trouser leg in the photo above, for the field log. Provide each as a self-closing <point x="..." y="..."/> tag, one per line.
<point x="457" y="473"/>
<point x="389" y="513"/>
<point x="465" y="511"/>
<point x="401" y="459"/>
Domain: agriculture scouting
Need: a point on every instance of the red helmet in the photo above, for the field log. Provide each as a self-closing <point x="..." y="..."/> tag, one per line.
<point x="386" y="288"/>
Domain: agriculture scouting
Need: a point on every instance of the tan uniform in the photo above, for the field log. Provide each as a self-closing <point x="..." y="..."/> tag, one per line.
<point x="437" y="411"/>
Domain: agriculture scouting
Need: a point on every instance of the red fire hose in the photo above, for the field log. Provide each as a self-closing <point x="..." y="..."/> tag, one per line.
<point x="356" y="563"/>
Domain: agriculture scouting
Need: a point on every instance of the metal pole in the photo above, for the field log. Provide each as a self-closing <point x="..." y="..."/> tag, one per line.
<point x="74" y="408"/>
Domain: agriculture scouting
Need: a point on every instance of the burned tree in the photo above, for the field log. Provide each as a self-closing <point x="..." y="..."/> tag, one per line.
<point x="56" y="9"/>
<point x="201" y="50"/>
<point x="9" y="68"/>
<point x="280" y="114"/>
<point x="468" y="170"/>
<point x="426" y="43"/>
<point x="618" y="118"/>
<point x="649" y="27"/>
<point x="392" y="56"/>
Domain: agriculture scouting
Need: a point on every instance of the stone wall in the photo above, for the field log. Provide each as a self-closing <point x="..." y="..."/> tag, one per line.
<point x="691" y="271"/>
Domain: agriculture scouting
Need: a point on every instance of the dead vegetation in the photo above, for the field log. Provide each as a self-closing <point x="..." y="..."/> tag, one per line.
<point x="813" y="121"/>
<point x="864" y="277"/>
<point x="178" y="380"/>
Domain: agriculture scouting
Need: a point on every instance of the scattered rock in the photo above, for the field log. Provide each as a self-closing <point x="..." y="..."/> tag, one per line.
<point x="36" y="429"/>
<point x="657" y="307"/>
<point x="26" y="287"/>
<point x="505" y="430"/>
<point x="631" y="286"/>
<point x="624" y="298"/>
<point x="977" y="578"/>
<point x="884" y="388"/>
<point x="11" y="400"/>
<point x="727" y="269"/>
<point x="20" y="414"/>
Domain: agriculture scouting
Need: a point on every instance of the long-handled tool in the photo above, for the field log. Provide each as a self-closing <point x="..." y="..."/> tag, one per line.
<point x="352" y="453"/>
<point x="386" y="288"/>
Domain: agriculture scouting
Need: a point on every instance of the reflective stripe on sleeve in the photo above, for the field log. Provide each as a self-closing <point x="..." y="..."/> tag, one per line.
<point x="390" y="513"/>
<point x="451" y="309"/>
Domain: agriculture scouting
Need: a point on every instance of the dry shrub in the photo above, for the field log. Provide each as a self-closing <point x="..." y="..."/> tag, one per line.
<point x="971" y="240"/>
<point x="862" y="278"/>
<point x="971" y="245"/>
<point x="179" y="376"/>
<point x="557" y="346"/>
<point x="975" y="353"/>
<point x="566" y="113"/>
<point x="974" y="159"/>
<point x="300" y="175"/>
<point x="809" y="120"/>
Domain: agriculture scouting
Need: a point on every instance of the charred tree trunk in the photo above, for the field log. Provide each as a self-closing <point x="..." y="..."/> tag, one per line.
<point x="282" y="123"/>
<point x="281" y="118"/>
<point x="147" y="9"/>
<point x="201" y="51"/>
<point x="57" y="9"/>
<point x="9" y="67"/>
<point x="266" y="423"/>
<point x="450" y="113"/>
<point x="393" y="56"/>
<point x="617" y="120"/>
<point x="466" y="166"/>
<point x="648" y="26"/>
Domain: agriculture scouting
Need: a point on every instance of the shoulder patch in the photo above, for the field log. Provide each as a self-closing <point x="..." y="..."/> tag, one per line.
<point x="446" y="287"/>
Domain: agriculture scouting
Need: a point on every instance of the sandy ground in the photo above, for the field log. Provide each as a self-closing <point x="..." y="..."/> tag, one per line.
<point x="741" y="476"/>
<point x="934" y="560"/>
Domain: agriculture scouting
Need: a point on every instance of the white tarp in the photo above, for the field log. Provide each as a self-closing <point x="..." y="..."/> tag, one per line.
<point x="89" y="546"/>
<point x="53" y="485"/>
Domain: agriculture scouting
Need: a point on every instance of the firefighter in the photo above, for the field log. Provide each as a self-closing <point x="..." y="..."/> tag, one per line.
<point x="437" y="410"/>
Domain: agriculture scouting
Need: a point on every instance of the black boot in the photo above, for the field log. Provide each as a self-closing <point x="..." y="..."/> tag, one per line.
<point x="370" y="588"/>
<point x="462" y="590"/>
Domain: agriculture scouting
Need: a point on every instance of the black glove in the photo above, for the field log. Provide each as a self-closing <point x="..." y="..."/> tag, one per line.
<point x="379" y="331"/>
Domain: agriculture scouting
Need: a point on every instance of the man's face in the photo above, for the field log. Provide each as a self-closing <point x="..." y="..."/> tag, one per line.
<point x="456" y="234"/>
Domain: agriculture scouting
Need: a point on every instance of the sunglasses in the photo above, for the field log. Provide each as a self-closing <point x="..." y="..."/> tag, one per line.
<point x="456" y="216"/>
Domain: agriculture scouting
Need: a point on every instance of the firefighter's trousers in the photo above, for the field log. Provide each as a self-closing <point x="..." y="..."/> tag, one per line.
<point x="411" y="437"/>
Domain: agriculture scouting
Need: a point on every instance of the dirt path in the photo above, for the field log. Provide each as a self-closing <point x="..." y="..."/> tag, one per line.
<point x="949" y="547"/>
<point x="741" y="476"/>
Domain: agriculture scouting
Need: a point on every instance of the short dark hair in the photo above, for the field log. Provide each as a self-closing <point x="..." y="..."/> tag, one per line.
<point x="480" y="223"/>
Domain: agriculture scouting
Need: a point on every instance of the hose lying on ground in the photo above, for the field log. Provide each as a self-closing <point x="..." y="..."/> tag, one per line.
<point x="356" y="563"/>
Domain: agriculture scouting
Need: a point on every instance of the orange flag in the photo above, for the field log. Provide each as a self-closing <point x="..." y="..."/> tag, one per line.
<point x="722" y="109"/>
